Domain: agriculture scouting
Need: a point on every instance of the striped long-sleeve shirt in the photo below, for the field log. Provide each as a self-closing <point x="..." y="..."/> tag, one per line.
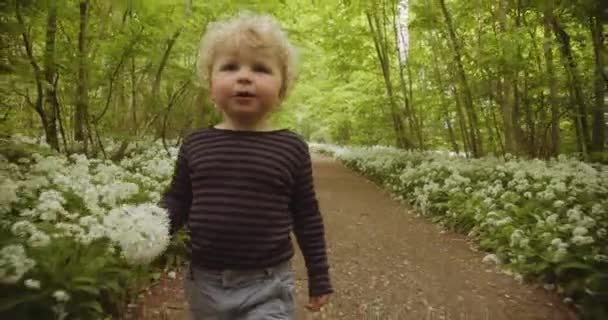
<point x="241" y="193"/>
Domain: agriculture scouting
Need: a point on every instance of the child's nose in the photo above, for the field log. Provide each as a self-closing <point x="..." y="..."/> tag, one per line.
<point x="244" y="76"/>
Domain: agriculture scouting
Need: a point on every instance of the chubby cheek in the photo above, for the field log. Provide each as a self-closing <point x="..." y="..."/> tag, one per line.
<point x="219" y="92"/>
<point x="272" y="89"/>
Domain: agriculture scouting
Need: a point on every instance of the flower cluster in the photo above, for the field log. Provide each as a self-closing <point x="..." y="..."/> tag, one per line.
<point x="540" y="218"/>
<point x="48" y="198"/>
<point x="14" y="263"/>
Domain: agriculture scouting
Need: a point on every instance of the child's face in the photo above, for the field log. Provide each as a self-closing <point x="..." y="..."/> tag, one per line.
<point x="246" y="84"/>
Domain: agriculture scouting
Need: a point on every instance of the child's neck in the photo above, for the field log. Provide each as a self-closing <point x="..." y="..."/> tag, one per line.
<point x="229" y="124"/>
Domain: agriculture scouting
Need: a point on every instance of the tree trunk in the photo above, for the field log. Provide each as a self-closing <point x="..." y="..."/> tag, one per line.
<point x="172" y="100"/>
<point x="133" y="96"/>
<point x="200" y="109"/>
<point x="399" y="22"/>
<point x="507" y="94"/>
<point x="38" y="76"/>
<point x="501" y="146"/>
<point x="50" y="76"/>
<point x="418" y="120"/>
<point x="474" y="133"/>
<point x="380" y="43"/>
<point x="462" y="123"/>
<point x="530" y="140"/>
<point x="156" y="101"/>
<point x="553" y="102"/>
<point x="580" y="113"/>
<point x="599" y="124"/>
<point x="445" y="107"/>
<point x="81" y="116"/>
<point x="407" y="113"/>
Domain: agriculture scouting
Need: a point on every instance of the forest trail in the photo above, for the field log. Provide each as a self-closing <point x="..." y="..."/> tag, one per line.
<point x="386" y="263"/>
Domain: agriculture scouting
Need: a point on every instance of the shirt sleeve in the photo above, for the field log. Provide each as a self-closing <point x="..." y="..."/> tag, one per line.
<point x="309" y="229"/>
<point x="178" y="196"/>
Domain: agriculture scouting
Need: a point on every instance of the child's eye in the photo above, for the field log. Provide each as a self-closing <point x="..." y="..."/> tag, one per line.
<point x="262" y="68"/>
<point x="229" y="67"/>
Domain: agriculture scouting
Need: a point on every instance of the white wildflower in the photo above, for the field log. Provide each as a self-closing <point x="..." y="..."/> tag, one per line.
<point x="546" y="235"/>
<point x="587" y="222"/>
<point x="574" y="215"/>
<point x="69" y="230"/>
<point x="51" y="205"/>
<point x="600" y="258"/>
<point x="32" y="284"/>
<point x="558" y="203"/>
<point x="559" y="243"/>
<point x="95" y="231"/>
<point x="560" y="187"/>
<point x="142" y="232"/>
<point x="552" y="219"/>
<point x="597" y="209"/>
<point x="516" y="237"/>
<point x="547" y="195"/>
<point x="580" y="231"/>
<point x="33" y="184"/>
<point x="14" y="263"/>
<point x="154" y="196"/>
<point x="61" y="296"/>
<point x="519" y="278"/>
<point x="567" y="227"/>
<point x="560" y="254"/>
<point x="503" y="221"/>
<point x="49" y="165"/>
<point x="8" y="193"/>
<point x="491" y="258"/>
<point x="582" y="240"/>
<point x="39" y="239"/>
<point x="23" y="228"/>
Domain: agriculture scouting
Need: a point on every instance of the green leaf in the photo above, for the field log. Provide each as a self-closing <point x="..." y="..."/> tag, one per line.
<point x="89" y="289"/>
<point x="93" y="305"/>
<point x="85" y="280"/>
<point x="575" y="265"/>
<point x="113" y="286"/>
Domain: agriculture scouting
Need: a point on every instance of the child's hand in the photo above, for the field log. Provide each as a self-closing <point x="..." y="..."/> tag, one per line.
<point x="316" y="303"/>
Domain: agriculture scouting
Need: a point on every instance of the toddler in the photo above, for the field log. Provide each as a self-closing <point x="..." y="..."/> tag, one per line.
<point x="242" y="186"/>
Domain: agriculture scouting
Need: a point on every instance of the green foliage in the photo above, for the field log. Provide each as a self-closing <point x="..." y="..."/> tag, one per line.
<point x="67" y="247"/>
<point x="340" y="95"/>
<point x="545" y="221"/>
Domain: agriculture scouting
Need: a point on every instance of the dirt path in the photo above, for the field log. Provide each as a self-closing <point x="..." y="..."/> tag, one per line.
<point x="389" y="264"/>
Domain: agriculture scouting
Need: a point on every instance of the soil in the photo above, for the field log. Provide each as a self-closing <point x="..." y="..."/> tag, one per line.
<point x="389" y="263"/>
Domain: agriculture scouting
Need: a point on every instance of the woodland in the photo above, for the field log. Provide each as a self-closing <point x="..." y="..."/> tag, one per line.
<point x="488" y="117"/>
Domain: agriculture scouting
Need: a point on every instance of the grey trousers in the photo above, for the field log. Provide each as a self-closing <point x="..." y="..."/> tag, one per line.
<point x="266" y="294"/>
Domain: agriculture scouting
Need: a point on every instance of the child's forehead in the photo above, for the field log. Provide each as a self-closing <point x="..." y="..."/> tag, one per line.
<point x="244" y="51"/>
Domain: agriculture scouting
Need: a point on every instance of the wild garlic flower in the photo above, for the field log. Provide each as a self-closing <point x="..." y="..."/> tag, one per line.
<point x="32" y="284"/>
<point x="14" y="263"/>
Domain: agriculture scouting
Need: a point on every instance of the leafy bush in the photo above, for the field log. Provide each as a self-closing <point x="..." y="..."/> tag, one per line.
<point x="78" y="236"/>
<point x="544" y="220"/>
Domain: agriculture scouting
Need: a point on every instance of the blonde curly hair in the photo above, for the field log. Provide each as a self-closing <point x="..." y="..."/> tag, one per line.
<point x="255" y="31"/>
